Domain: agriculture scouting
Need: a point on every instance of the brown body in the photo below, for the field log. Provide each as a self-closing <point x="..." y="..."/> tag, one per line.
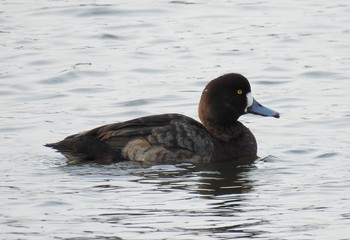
<point x="157" y="138"/>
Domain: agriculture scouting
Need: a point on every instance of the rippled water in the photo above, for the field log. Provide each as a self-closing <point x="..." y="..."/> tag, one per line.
<point x="68" y="66"/>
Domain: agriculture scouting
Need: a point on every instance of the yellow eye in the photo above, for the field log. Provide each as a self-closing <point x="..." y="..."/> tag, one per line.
<point x="239" y="91"/>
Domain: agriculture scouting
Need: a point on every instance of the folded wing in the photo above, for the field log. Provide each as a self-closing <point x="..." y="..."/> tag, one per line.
<point x="166" y="137"/>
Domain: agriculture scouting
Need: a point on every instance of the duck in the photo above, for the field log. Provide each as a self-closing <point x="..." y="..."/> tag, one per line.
<point x="172" y="137"/>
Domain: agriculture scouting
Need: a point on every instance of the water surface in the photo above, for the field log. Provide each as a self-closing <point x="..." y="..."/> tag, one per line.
<point x="68" y="66"/>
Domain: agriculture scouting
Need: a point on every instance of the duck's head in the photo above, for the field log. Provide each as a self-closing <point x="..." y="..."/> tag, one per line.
<point x="228" y="97"/>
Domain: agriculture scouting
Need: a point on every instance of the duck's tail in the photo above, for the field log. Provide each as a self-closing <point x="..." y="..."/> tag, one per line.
<point x="80" y="148"/>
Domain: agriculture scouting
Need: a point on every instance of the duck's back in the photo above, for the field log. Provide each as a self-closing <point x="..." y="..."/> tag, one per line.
<point x="157" y="138"/>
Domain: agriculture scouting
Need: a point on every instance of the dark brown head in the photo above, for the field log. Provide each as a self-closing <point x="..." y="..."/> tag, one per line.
<point x="225" y="99"/>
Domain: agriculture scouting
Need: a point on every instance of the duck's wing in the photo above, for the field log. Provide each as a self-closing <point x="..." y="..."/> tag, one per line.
<point x="117" y="135"/>
<point x="166" y="137"/>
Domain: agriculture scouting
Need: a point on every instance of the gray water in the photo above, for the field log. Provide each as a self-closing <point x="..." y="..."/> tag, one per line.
<point x="68" y="66"/>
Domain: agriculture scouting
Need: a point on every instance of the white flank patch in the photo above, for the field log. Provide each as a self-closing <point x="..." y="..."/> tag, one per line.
<point x="249" y="101"/>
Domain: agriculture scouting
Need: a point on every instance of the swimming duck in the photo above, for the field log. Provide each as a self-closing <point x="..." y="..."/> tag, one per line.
<point x="175" y="137"/>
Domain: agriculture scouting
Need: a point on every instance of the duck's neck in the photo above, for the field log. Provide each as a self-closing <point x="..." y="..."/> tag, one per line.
<point x="225" y="133"/>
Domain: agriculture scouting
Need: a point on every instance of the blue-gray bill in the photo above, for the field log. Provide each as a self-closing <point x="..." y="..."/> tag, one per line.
<point x="257" y="108"/>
